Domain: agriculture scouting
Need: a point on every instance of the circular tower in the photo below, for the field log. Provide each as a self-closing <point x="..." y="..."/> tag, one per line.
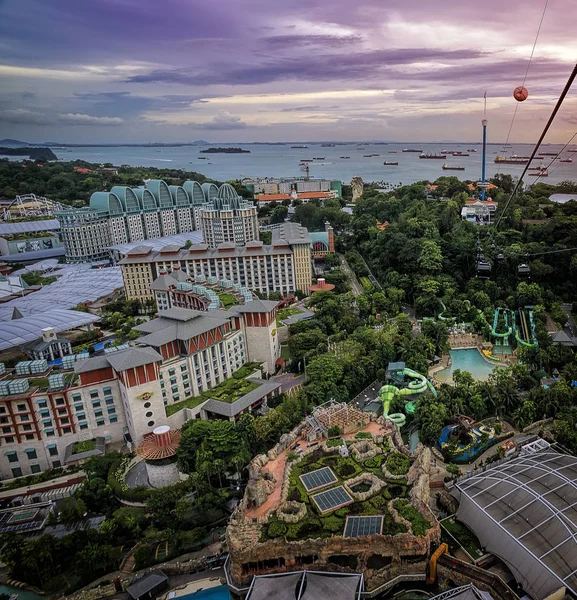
<point x="158" y="449"/>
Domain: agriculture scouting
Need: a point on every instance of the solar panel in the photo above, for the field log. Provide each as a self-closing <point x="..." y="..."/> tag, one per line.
<point x="318" y="479"/>
<point x="332" y="499"/>
<point x="357" y="526"/>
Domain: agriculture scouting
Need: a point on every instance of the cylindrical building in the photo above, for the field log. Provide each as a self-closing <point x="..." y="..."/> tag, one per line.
<point x="158" y="449"/>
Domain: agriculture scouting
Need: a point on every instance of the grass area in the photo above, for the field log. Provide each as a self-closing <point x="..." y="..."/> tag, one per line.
<point x="285" y="313"/>
<point x="41" y="382"/>
<point x="284" y="351"/>
<point x="85" y="446"/>
<point x="408" y="511"/>
<point x="36" y="278"/>
<point x="228" y="391"/>
<point x="463" y="535"/>
<point x="227" y="300"/>
<point x="398" y="464"/>
<point x="367" y="285"/>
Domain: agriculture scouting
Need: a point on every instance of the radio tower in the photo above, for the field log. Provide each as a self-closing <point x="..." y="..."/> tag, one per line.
<point x="484" y="123"/>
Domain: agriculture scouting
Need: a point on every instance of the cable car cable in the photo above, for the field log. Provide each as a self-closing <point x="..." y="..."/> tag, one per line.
<point x="538" y="144"/>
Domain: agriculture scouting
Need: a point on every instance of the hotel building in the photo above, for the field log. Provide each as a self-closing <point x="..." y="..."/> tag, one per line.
<point x="284" y="266"/>
<point x="133" y="214"/>
<point x="123" y="395"/>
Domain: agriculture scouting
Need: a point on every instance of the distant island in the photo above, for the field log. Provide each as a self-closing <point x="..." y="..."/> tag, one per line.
<point x="225" y="151"/>
<point x="31" y="153"/>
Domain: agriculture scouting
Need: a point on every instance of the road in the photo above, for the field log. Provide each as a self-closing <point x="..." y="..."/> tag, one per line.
<point x="357" y="287"/>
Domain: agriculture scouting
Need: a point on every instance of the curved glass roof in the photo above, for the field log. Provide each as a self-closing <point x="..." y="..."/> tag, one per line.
<point x="129" y="200"/>
<point x="210" y="191"/>
<point x="179" y="196"/>
<point x="525" y="512"/>
<point x="106" y="201"/>
<point x="195" y="192"/>
<point x="147" y="199"/>
<point x="29" y="328"/>
<point x="161" y="192"/>
<point x="227" y="192"/>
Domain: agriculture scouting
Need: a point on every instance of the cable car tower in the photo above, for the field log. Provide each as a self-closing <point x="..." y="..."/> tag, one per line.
<point x="484" y="124"/>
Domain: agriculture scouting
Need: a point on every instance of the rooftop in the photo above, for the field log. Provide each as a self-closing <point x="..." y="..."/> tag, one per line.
<point x="293" y="233"/>
<point x="29" y="327"/>
<point x="525" y="512"/>
<point x="9" y="228"/>
<point x="157" y="244"/>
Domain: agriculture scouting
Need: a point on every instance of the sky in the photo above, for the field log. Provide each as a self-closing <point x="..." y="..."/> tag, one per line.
<point x="101" y="71"/>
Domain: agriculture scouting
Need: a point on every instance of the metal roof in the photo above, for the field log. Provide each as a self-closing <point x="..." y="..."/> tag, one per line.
<point x="157" y="244"/>
<point x="29" y="328"/>
<point x="525" y="512"/>
<point x="306" y="585"/>
<point x="8" y="228"/>
<point x="76" y="284"/>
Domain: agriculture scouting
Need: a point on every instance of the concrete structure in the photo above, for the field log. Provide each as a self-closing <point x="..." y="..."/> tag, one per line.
<point x="125" y="215"/>
<point x="24" y="240"/>
<point x="479" y="212"/>
<point x="228" y="219"/>
<point x="284" y="266"/>
<point x="158" y="450"/>
<point x="285" y="185"/>
<point x="122" y="395"/>
<point x="304" y="197"/>
<point x="321" y="286"/>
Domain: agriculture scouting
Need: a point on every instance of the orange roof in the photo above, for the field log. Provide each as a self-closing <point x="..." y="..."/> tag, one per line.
<point x="306" y="195"/>
<point x="472" y="201"/>
<point x="82" y="170"/>
<point x="273" y="197"/>
<point x="432" y="187"/>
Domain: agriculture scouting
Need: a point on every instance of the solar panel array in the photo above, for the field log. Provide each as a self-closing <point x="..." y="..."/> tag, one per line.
<point x="358" y="526"/>
<point x="318" y="479"/>
<point x="331" y="499"/>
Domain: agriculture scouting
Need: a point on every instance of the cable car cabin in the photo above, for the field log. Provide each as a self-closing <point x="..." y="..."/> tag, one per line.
<point x="483" y="269"/>
<point x="523" y="271"/>
<point x="500" y="257"/>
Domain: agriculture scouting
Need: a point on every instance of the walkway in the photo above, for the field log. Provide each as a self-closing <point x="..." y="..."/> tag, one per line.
<point x="357" y="287"/>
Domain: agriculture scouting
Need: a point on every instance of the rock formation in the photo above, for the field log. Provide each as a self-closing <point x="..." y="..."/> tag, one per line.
<point x="357" y="187"/>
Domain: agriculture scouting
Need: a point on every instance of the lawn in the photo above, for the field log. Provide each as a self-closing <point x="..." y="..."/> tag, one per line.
<point x="227" y="300"/>
<point x="228" y="391"/>
<point x="285" y="313"/>
<point x="41" y="382"/>
<point x="85" y="446"/>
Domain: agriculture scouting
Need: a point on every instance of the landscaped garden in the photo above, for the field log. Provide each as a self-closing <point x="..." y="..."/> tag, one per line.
<point x="226" y="299"/>
<point x="228" y="391"/>
<point x="357" y="484"/>
<point x="285" y="313"/>
<point x="83" y="446"/>
<point x="456" y="534"/>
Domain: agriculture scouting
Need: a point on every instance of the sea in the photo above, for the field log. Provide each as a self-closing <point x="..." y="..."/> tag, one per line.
<point x="341" y="161"/>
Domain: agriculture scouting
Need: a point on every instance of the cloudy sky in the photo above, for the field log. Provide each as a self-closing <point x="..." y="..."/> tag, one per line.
<point x="249" y="70"/>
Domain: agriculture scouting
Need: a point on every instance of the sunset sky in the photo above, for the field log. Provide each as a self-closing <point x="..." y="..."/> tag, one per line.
<point x="291" y="70"/>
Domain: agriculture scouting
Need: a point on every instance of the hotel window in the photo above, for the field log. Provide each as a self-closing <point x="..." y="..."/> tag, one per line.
<point x="26" y="427"/>
<point x="94" y="393"/>
<point x="21" y="407"/>
<point x="96" y="403"/>
<point x="42" y="404"/>
<point x="52" y="449"/>
<point x="12" y="456"/>
<point x="49" y="432"/>
<point x="35" y="468"/>
<point x="29" y="436"/>
<point x="111" y="410"/>
<point x="83" y="425"/>
<point x="67" y="430"/>
<point x="16" y="472"/>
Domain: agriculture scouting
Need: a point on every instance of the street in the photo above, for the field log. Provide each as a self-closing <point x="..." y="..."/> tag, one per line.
<point x="357" y="287"/>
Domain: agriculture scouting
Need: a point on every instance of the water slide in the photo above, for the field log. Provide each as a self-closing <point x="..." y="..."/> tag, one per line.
<point x="509" y="329"/>
<point x="527" y="337"/>
<point x="388" y="392"/>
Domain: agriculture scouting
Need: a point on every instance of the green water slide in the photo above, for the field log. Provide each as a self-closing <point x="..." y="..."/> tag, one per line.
<point x="508" y="327"/>
<point x="388" y="392"/>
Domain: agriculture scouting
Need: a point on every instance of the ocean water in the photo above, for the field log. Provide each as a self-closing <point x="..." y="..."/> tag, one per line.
<point x="271" y="160"/>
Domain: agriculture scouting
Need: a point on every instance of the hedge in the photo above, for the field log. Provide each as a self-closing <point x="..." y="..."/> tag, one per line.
<point x="398" y="464"/>
<point x="410" y="513"/>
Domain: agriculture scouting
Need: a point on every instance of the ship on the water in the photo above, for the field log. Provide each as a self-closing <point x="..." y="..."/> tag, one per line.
<point x="432" y="155"/>
<point x="448" y="167"/>
<point x="389" y="163"/>
<point x="345" y="157"/>
<point x="566" y="160"/>
<point x="511" y="160"/>
<point x="471" y="150"/>
<point x="547" y="153"/>
<point x="412" y="150"/>
<point x="299" y="146"/>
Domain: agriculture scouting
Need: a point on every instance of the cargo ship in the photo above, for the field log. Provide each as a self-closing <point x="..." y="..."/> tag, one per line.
<point x="447" y="167"/>
<point x="389" y="163"/>
<point x="412" y="150"/>
<point x="432" y="155"/>
<point x="512" y="160"/>
<point x="299" y="146"/>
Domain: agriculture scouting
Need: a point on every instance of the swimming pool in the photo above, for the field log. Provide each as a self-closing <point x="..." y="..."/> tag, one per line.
<point x="467" y="360"/>
<point x="216" y="593"/>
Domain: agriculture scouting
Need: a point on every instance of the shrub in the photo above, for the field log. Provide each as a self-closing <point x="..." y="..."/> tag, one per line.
<point x="276" y="529"/>
<point x="375" y="462"/>
<point x="310" y="467"/>
<point x="453" y="470"/>
<point x="346" y="470"/>
<point x="379" y="502"/>
<point x="331" y="461"/>
<point x="410" y="513"/>
<point x="342" y="512"/>
<point x="334" y="443"/>
<point x="334" y="431"/>
<point x="396" y="490"/>
<point x="333" y="524"/>
<point x="398" y="464"/>
<point x="363" y="435"/>
<point x="356" y="508"/>
<point x="294" y="495"/>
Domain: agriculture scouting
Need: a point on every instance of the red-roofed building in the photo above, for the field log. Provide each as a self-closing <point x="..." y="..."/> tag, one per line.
<point x="479" y="212"/>
<point x="82" y="170"/>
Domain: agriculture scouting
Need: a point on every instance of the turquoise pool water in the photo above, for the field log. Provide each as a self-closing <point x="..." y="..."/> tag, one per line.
<point x="216" y="593"/>
<point x="22" y="594"/>
<point x="467" y="360"/>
